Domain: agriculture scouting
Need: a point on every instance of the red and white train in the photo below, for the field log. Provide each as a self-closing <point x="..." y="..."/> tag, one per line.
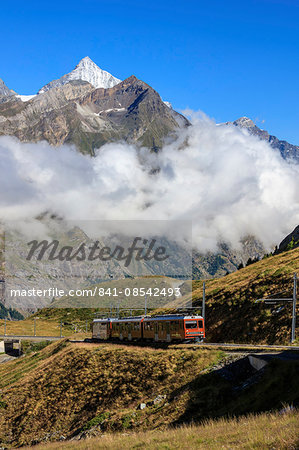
<point x="166" y="328"/>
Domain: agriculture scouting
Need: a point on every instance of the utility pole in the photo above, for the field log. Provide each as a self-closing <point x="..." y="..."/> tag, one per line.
<point x="294" y="308"/>
<point x="203" y="311"/>
<point x="34" y="327"/>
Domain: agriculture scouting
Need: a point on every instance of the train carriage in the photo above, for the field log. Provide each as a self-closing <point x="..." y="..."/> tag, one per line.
<point x="127" y="329"/>
<point x="173" y="328"/>
<point x="164" y="328"/>
<point x="101" y="329"/>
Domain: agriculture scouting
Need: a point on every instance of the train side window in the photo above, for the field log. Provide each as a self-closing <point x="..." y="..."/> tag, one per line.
<point x="200" y="324"/>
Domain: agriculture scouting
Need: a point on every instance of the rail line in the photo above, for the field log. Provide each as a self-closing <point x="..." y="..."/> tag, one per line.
<point x="225" y="345"/>
<point x="249" y="346"/>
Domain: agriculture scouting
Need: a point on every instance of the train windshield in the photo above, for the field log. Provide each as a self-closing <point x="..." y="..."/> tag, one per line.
<point x="191" y="324"/>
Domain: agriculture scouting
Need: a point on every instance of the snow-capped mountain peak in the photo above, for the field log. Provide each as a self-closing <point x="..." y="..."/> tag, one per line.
<point x="88" y="71"/>
<point x="244" y="122"/>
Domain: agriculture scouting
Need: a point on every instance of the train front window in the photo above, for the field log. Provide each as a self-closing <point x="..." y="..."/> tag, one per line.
<point x="191" y="324"/>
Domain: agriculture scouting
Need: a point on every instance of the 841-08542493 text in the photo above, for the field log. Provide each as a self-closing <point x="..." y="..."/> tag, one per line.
<point x="98" y="292"/>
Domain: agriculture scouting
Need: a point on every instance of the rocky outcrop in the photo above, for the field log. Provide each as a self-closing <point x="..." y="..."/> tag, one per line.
<point x="5" y="92"/>
<point x="287" y="151"/>
<point x="290" y="242"/>
<point x="226" y="259"/>
<point x="79" y="114"/>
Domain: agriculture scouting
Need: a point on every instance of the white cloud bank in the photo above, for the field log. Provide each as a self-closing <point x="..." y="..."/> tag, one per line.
<point x="229" y="183"/>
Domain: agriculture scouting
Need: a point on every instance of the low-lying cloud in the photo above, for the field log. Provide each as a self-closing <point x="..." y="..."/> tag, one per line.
<point x="228" y="183"/>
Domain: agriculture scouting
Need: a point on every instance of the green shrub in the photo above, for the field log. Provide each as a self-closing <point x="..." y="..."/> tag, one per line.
<point x="97" y="420"/>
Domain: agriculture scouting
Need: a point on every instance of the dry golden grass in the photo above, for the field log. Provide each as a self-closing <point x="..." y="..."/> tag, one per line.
<point x="70" y="389"/>
<point x="260" y="279"/>
<point x="231" y="312"/>
<point x="43" y="328"/>
<point x="264" y="431"/>
<point x="65" y="386"/>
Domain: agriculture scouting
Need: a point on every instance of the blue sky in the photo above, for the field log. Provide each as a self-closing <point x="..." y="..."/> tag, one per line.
<point x="226" y="58"/>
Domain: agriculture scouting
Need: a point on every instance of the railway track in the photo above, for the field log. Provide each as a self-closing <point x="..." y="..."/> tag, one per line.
<point x="228" y="346"/>
<point x="254" y="347"/>
<point x="225" y="345"/>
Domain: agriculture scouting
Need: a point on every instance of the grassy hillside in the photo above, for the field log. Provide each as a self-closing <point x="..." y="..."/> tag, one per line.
<point x="232" y="315"/>
<point x="83" y="390"/>
<point x="256" y="431"/>
<point x="45" y="327"/>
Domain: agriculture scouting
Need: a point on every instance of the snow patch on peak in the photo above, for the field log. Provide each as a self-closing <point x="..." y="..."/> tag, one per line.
<point x="168" y="104"/>
<point x="85" y="70"/>
<point x="25" y="98"/>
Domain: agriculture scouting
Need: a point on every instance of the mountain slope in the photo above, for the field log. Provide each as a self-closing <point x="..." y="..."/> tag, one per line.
<point x="88" y="71"/>
<point x="72" y="391"/>
<point x="287" y="151"/>
<point x="232" y="314"/>
<point x="77" y="113"/>
<point x="289" y="242"/>
<point x="226" y="259"/>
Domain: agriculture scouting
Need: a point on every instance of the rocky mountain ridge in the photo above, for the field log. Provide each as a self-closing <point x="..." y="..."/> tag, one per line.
<point x="5" y="92"/>
<point x="290" y="242"/>
<point x="288" y="151"/>
<point x="89" y="107"/>
<point x="77" y="113"/>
